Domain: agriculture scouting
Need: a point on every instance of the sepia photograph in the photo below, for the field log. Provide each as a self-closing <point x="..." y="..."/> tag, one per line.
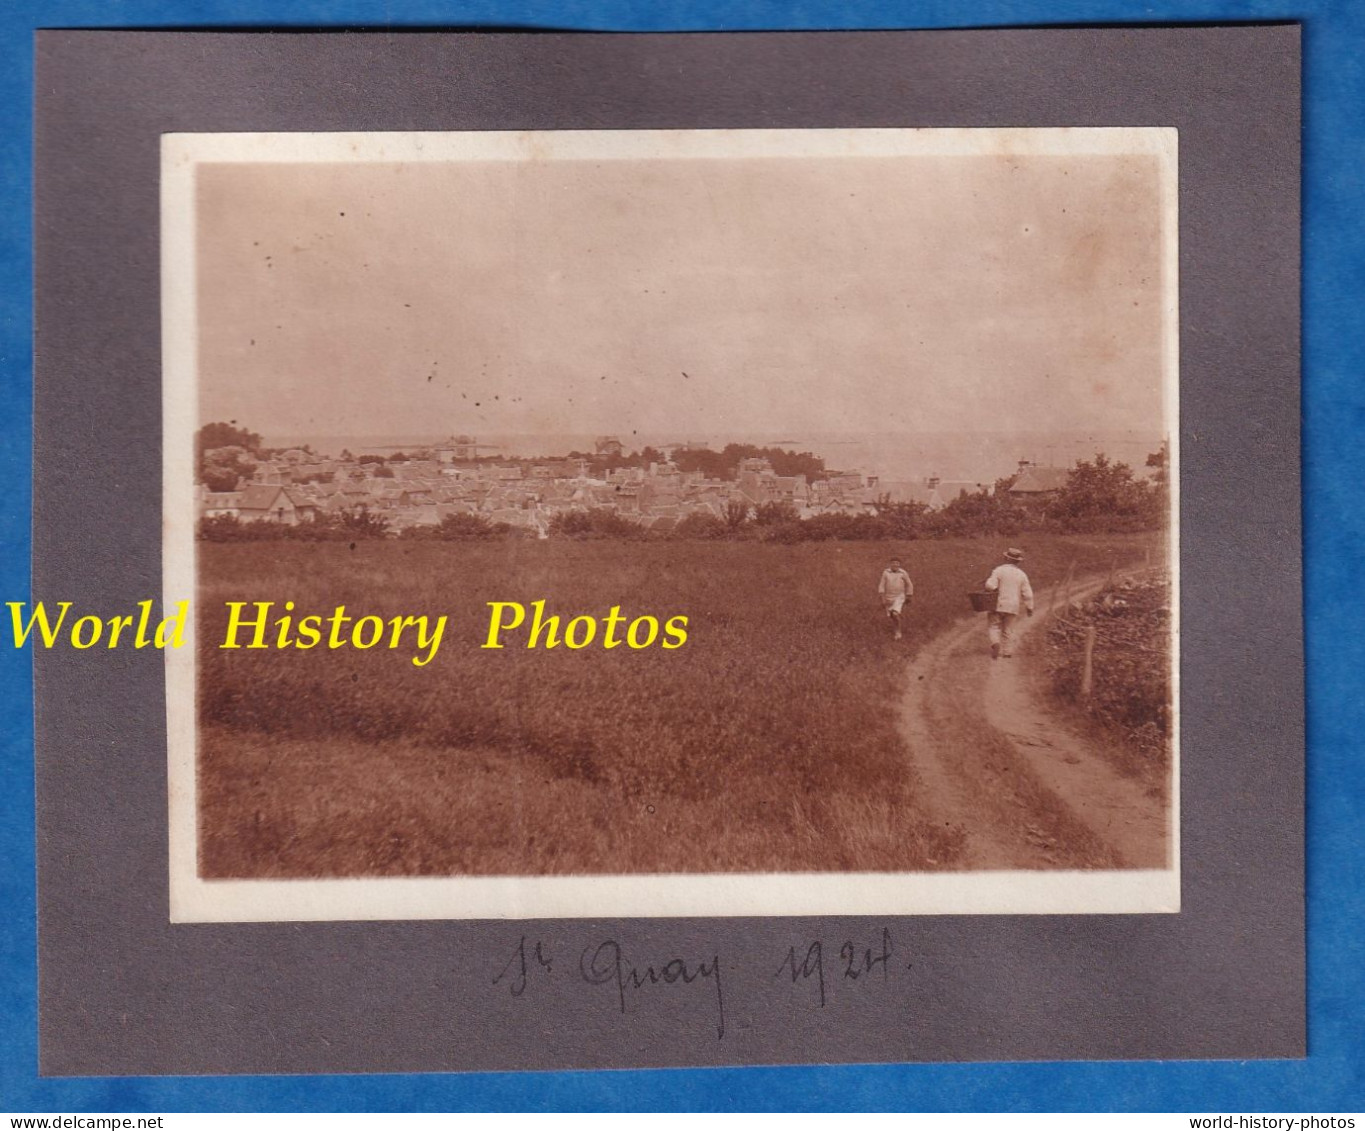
<point x="659" y="523"/>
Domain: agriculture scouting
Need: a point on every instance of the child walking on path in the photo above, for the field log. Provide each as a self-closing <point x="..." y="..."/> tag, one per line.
<point x="896" y="589"/>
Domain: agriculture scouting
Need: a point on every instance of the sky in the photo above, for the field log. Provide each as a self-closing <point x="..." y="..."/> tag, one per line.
<point x="678" y="296"/>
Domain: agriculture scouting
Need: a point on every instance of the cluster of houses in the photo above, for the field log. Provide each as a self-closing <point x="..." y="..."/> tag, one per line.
<point x="298" y="486"/>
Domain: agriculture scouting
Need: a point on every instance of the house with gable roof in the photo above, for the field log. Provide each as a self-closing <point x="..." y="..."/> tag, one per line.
<point x="274" y="503"/>
<point x="1035" y="485"/>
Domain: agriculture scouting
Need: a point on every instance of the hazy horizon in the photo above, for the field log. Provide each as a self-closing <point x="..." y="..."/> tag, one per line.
<point x="976" y="457"/>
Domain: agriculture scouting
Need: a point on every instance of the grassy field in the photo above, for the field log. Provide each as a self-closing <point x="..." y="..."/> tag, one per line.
<point x="768" y="742"/>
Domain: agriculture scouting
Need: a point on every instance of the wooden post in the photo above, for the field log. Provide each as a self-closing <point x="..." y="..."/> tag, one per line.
<point x="1088" y="667"/>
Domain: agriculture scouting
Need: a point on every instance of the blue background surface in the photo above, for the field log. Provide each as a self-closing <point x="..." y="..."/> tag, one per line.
<point x="1333" y="1076"/>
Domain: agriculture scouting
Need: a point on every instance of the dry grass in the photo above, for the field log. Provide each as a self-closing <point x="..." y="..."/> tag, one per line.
<point x="1129" y="711"/>
<point x="768" y="742"/>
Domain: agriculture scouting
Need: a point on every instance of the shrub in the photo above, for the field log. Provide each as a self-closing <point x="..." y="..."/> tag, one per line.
<point x="701" y="527"/>
<point x="458" y="527"/>
<point x="1131" y="679"/>
<point x="599" y="522"/>
<point x="773" y="514"/>
<point x="358" y="525"/>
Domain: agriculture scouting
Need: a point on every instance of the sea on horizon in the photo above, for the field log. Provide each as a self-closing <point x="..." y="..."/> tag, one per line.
<point x="961" y="457"/>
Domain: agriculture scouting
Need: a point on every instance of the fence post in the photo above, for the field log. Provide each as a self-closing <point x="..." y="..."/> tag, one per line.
<point x="1088" y="667"/>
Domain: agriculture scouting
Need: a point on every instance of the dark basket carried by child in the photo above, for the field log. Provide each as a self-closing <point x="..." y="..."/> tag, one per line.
<point x="983" y="600"/>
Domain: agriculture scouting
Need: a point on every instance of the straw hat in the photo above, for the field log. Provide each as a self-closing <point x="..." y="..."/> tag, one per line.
<point x="1013" y="555"/>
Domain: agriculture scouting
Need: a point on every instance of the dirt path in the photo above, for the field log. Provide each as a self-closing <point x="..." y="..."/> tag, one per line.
<point x="994" y="763"/>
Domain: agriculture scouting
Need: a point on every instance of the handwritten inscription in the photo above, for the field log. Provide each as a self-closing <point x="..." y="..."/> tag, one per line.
<point x="607" y="965"/>
<point x="636" y="982"/>
<point x="515" y="972"/>
<point x="855" y="961"/>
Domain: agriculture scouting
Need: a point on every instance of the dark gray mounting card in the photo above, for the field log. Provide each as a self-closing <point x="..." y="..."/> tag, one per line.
<point x="505" y="300"/>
